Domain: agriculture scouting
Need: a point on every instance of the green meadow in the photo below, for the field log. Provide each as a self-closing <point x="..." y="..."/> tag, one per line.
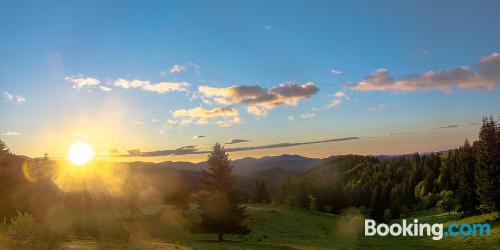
<point x="273" y="227"/>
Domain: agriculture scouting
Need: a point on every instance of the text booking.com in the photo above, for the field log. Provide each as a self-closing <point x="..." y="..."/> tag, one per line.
<point x="416" y="229"/>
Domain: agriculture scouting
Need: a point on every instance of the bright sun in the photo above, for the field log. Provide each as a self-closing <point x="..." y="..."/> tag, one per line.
<point x="80" y="153"/>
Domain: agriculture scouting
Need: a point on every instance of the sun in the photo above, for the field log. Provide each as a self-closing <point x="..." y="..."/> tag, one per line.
<point x="80" y="153"/>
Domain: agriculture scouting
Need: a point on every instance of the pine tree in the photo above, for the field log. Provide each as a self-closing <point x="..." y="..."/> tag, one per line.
<point x="180" y="198"/>
<point x="259" y="192"/>
<point x="486" y="171"/>
<point x="466" y="191"/>
<point x="219" y="200"/>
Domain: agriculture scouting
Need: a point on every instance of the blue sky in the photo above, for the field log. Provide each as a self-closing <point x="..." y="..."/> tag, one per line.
<point x="48" y="48"/>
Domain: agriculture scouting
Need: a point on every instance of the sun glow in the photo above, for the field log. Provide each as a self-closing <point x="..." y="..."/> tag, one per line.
<point x="80" y="153"/>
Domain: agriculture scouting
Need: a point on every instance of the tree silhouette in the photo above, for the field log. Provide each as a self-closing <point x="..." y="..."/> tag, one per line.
<point x="487" y="166"/>
<point x="180" y="198"/>
<point x="219" y="200"/>
<point x="259" y="192"/>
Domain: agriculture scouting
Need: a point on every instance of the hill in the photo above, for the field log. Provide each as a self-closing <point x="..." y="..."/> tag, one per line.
<point x="272" y="228"/>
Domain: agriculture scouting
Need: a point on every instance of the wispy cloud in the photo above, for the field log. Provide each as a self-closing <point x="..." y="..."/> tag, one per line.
<point x="259" y="100"/>
<point x="160" y="87"/>
<point x="336" y="72"/>
<point x="197" y="150"/>
<point x="9" y="133"/>
<point x="382" y="107"/>
<point x="8" y="97"/>
<point x="236" y="141"/>
<point x="484" y="75"/>
<point x="179" y="68"/>
<point x="196" y="137"/>
<point x="338" y="98"/>
<point x="105" y="89"/>
<point x="307" y="115"/>
<point x="447" y="126"/>
<point x="224" y="117"/>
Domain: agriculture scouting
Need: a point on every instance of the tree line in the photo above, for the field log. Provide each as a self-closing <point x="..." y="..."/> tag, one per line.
<point x="466" y="179"/>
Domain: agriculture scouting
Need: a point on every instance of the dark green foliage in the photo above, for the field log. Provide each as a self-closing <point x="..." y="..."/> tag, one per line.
<point x="404" y="183"/>
<point x="259" y="192"/>
<point x="180" y="198"/>
<point x="466" y="191"/>
<point x="487" y="171"/>
<point x="219" y="200"/>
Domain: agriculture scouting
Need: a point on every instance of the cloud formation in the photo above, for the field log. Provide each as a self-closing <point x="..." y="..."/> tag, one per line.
<point x="336" y="72"/>
<point x="196" y="150"/>
<point x="447" y="126"/>
<point x="382" y="107"/>
<point x="160" y="87"/>
<point x="196" y="137"/>
<point x="81" y="81"/>
<point x="105" y="89"/>
<point x="257" y="99"/>
<point x="9" y="133"/>
<point x="224" y="117"/>
<point x="338" y="98"/>
<point x="8" y="97"/>
<point x="485" y="75"/>
<point x="179" y="68"/>
<point x="236" y="141"/>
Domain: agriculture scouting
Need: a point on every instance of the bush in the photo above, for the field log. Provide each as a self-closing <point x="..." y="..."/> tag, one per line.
<point x="21" y="226"/>
<point x="405" y="212"/>
<point x="387" y="215"/>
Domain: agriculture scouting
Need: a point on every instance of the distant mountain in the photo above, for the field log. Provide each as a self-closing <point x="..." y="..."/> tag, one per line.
<point x="270" y="168"/>
<point x="245" y="166"/>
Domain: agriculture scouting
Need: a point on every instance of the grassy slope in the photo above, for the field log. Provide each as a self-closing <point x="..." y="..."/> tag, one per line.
<point x="272" y="228"/>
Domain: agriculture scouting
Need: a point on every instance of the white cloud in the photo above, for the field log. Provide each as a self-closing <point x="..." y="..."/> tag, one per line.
<point x="160" y="87"/>
<point x="8" y="97"/>
<point x="382" y="107"/>
<point x="81" y="81"/>
<point x="224" y="117"/>
<point x="9" y="133"/>
<point x="179" y="68"/>
<point x="307" y="115"/>
<point x="291" y="118"/>
<point x="334" y="103"/>
<point x="336" y="72"/>
<point x="105" y="89"/>
<point x="338" y="98"/>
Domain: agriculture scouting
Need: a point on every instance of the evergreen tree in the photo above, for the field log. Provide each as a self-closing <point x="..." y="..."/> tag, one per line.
<point x="486" y="171"/>
<point x="259" y="192"/>
<point x="219" y="200"/>
<point x="466" y="191"/>
<point x="180" y="198"/>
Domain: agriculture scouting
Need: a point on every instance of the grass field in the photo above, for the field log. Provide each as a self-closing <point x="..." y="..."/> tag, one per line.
<point x="272" y="228"/>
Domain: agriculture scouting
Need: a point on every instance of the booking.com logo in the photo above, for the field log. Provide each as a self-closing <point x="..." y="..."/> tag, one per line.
<point x="435" y="230"/>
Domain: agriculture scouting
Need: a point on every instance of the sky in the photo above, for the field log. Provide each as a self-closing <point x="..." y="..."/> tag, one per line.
<point x="165" y="80"/>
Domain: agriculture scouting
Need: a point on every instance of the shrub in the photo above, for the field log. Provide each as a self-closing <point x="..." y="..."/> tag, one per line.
<point x="21" y="226"/>
<point x="405" y="212"/>
<point x="387" y="215"/>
